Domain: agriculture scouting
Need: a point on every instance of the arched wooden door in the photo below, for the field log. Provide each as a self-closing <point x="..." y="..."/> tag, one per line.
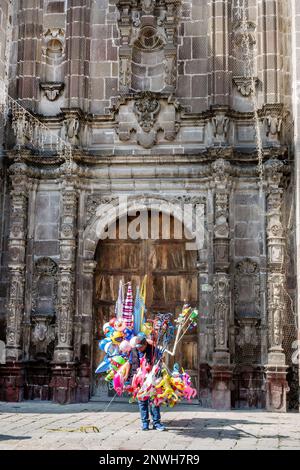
<point x="172" y="279"/>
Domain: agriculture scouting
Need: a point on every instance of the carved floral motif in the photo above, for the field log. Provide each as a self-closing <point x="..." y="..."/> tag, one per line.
<point x="221" y="310"/>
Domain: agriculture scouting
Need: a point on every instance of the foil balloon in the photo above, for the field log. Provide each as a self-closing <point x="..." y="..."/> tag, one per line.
<point x="112" y="321"/>
<point x="110" y="348"/>
<point x="133" y="341"/>
<point x="117" y="337"/>
<point x="103" y="366"/>
<point x="106" y="328"/>
<point x="147" y="328"/>
<point x="103" y="343"/>
<point x="119" y="325"/>
<point x="128" y="334"/>
<point x="125" y="346"/>
<point x="150" y="380"/>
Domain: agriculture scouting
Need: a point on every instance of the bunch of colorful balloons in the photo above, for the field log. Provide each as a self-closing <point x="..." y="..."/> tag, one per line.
<point x="117" y="344"/>
<point x="161" y="387"/>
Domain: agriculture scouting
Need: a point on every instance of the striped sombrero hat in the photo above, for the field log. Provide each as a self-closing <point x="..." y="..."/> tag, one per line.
<point x="128" y="308"/>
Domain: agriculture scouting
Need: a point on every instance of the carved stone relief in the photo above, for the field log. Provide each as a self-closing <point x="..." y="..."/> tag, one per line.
<point x="276" y="309"/>
<point x="246" y="289"/>
<point x="141" y="121"/>
<point x="221" y="311"/>
<point x="44" y="289"/>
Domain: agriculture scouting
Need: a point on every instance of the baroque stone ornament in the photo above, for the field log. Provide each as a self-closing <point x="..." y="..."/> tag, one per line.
<point x="276" y="309"/>
<point x="248" y="334"/>
<point x="44" y="288"/>
<point x="147" y="107"/>
<point x="276" y="284"/>
<point x="66" y="269"/>
<point x="221" y="181"/>
<point x="43" y="333"/>
<point x="72" y="125"/>
<point x="221" y="170"/>
<point x="16" y="264"/>
<point x="245" y="85"/>
<point x="273" y="117"/>
<point x="221" y="229"/>
<point x="221" y="311"/>
<point x="96" y="200"/>
<point x="52" y="90"/>
<point x="148" y="42"/>
<point x="149" y="114"/>
<point x="148" y="6"/>
<point x="247" y="289"/>
<point x="221" y="370"/>
<point x="220" y="127"/>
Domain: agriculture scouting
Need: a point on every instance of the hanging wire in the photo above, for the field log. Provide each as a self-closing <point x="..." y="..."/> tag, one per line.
<point x="25" y="124"/>
<point x="250" y="48"/>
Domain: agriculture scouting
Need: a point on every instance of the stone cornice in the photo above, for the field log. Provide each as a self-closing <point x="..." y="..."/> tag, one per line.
<point x="106" y="156"/>
<point x="194" y="118"/>
<point x="105" y="171"/>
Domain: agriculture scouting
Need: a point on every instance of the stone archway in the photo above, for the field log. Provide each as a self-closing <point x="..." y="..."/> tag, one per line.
<point x="103" y="217"/>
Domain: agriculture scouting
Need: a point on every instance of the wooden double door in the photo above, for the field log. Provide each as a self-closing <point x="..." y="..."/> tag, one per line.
<point x="171" y="280"/>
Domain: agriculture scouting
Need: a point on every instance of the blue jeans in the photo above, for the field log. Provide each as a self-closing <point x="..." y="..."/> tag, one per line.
<point x="154" y="411"/>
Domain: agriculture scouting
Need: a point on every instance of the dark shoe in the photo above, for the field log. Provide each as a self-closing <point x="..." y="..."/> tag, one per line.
<point x="159" y="427"/>
<point x="145" y="427"/>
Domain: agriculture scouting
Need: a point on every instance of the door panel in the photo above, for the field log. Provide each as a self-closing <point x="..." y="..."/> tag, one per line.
<point x="172" y="280"/>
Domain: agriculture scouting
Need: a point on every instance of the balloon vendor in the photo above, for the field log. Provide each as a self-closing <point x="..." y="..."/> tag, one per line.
<point x="134" y="356"/>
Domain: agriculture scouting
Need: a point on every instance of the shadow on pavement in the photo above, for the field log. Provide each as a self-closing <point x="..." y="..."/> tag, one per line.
<point x="3" y="437"/>
<point x="211" y="428"/>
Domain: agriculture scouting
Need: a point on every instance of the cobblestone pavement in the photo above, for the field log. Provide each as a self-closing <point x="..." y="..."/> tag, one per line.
<point x="44" y="425"/>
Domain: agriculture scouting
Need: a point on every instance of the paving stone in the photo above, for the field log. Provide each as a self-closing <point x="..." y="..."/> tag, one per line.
<point x="28" y="426"/>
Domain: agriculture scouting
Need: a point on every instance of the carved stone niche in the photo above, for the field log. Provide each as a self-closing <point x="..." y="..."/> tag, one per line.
<point x="42" y="335"/>
<point x="53" y="57"/>
<point x="44" y="295"/>
<point x="148" y="119"/>
<point x="148" y="52"/>
<point x="246" y="289"/>
<point x="44" y="291"/>
<point x="248" y="341"/>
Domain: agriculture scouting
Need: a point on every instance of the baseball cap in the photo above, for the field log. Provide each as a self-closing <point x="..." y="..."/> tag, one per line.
<point x="141" y="340"/>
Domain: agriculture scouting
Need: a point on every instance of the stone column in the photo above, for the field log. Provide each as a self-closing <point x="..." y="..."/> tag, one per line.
<point x="295" y="23"/>
<point x="13" y="373"/>
<point x="221" y="369"/>
<point x="64" y="372"/>
<point x="218" y="52"/>
<point x="84" y="328"/>
<point x="276" y="384"/>
<point x="30" y="19"/>
<point x="78" y="41"/>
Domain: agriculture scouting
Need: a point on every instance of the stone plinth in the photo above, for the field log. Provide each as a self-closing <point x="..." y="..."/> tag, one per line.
<point x="64" y="383"/>
<point x="276" y="388"/>
<point x="12" y="382"/>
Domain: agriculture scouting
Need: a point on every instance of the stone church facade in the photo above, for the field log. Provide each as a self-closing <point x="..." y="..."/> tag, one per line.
<point x="161" y="101"/>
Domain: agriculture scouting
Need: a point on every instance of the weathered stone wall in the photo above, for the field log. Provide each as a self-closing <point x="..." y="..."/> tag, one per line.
<point x="295" y="11"/>
<point x="155" y="105"/>
<point x="5" y="31"/>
